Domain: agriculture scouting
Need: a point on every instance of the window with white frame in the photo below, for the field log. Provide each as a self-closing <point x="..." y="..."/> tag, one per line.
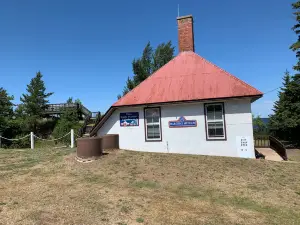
<point x="152" y="124"/>
<point x="215" y="124"/>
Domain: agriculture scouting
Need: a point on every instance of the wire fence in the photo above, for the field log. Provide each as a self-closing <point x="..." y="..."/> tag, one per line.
<point x="34" y="137"/>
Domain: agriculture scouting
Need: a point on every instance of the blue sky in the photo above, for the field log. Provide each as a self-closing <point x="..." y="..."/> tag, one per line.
<point x="84" y="48"/>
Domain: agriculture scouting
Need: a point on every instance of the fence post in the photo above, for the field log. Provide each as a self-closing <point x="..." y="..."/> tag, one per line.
<point x="31" y="140"/>
<point x="72" y="138"/>
<point x="0" y="138"/>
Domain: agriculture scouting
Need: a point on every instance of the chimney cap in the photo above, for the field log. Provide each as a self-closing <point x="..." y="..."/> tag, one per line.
<point x="184" y="17"/>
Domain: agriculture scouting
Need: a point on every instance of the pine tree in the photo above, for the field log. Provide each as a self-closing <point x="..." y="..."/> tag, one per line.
<point x="34" y="103"/>
<point x="293" y="92"/>
<point x="148" y="63"/>
<point x="285" y="123"/>
<point x="162" y="55"/>
<point x="6" y="109"/>
<point x="129" y="86"/>
<point x="280" y="120"/>
<point x="295" y="82"/>
<point x="296" y="46"/>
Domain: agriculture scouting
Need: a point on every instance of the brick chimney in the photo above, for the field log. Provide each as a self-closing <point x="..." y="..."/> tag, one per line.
<point x="185" y="33"/>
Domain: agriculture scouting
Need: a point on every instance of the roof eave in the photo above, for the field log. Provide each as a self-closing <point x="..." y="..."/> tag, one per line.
<point x="253" y="98"/>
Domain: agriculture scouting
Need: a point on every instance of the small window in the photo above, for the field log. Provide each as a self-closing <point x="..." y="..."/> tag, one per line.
<point x="152" y="124"/>
<point x="215" y="123"/>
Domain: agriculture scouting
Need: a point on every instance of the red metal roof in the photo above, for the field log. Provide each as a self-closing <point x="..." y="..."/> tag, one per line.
<point x="185" y="78"/>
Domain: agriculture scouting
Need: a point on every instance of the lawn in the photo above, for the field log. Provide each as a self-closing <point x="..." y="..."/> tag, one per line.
<point x="47" y="186"/>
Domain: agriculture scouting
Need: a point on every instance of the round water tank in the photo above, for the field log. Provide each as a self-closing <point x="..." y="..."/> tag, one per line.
<point x="110" y="141"/>
<point x="89" y="147"/>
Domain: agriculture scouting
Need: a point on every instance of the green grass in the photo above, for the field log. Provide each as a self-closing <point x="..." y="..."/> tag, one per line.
<point x="140" y="220"/>
<point x="47" y="186"/>
<point x="22" y="164"/>
<point x="146" y="184"/>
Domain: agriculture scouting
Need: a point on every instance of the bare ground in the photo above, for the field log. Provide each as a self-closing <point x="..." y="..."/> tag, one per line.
<point x="48" y="186"/>
<point x="293" y="154"/>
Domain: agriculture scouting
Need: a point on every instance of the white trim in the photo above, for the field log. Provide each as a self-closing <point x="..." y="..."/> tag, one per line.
<point x="223" y="137"/>
<point x="152" y="123"/>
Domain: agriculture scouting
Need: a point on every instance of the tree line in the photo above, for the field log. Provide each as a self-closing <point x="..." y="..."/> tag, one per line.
<point x="29" y="116"/>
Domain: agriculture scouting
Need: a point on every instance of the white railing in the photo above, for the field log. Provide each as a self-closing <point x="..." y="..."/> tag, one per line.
<point x="33" y="137"/>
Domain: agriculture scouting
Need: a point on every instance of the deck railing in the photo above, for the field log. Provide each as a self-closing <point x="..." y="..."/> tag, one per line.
<point x="262" y="141"/>
<point x="278" y="147"/>
<point x="266" y="141"/>
<point x="56" y="108"/>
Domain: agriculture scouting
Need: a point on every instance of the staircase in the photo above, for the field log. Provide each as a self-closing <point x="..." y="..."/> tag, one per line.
<point x="88" y="124"/>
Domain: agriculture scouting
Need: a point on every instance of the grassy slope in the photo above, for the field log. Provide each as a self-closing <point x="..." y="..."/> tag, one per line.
<point x="48" y="186"/>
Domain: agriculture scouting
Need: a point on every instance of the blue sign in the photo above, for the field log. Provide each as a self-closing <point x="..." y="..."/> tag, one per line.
<point x="182" y="122"/>
<point x="129" y="119"/>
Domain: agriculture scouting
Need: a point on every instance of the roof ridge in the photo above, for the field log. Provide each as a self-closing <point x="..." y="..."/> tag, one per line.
<point x="229" y="74"/>
<point x="151" y="75"/>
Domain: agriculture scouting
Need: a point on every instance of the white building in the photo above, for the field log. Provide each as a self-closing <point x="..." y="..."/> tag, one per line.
<point x="189" y="106"/>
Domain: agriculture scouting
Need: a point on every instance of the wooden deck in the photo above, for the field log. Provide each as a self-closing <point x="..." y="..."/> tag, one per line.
<point x="57" y="109"/>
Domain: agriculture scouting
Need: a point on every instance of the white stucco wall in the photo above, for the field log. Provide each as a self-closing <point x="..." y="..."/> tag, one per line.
<point x="192" y="140"/>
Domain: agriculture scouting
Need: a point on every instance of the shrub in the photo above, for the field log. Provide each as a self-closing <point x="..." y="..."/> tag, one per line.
<point x="24" y="143"/>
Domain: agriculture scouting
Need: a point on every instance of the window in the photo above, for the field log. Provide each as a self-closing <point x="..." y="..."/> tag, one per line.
<point x="152" y="124"/>
<point x="215" y="124"/>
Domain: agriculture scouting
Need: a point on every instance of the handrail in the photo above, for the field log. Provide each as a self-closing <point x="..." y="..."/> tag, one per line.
<point x="85" y="111"/>
<point x="278" y="147"/>
<point x="84" y="125"/>
<point x="98" y="118"/>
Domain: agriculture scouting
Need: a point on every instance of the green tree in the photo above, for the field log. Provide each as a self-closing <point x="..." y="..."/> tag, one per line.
<point x="162" y="55"/>
<point x="285" y="123"/>
<point x="6" y="109"/>
<point x="294" y="87"/>
<point x="280" y="120"/>
<point x="148" y="63"/>
<point x="296" y="46"/>
<point x="34" y="103"/>
<point x="259" y="126"/>
<point x="77" y="103"/>
<point x="69" y="119"/>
